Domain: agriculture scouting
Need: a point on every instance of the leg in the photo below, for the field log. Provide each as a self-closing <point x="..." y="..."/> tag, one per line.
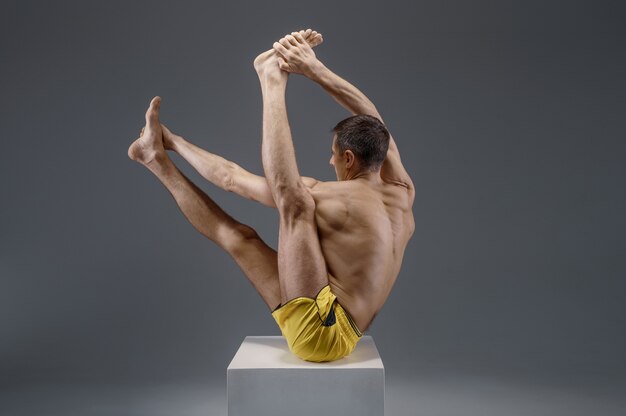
<point x="257" y="260"/>
<point x="301" y="264"/>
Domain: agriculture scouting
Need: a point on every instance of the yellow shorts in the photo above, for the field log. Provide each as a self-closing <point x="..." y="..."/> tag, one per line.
<point x="317" y="329"/>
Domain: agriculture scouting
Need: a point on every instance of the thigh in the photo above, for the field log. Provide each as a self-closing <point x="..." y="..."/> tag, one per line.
<point x="301" y="264"/>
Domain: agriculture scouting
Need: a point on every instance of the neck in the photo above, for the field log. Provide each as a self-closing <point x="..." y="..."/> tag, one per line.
<point x="364" y="175"/>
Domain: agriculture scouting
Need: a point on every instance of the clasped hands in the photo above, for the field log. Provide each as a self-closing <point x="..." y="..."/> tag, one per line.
<point x="295" y="53"/>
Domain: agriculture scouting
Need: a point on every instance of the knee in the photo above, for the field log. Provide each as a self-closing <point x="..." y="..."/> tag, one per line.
<point x="238" y="237"/>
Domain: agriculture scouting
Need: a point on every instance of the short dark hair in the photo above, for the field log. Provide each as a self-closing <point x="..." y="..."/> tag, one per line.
<point x="366" y="136"/>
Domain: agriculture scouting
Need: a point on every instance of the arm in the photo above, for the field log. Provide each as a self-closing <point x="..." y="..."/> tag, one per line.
<point x="346" y="94"/>
<point x="353" y="100"/>
<point x="255" y="187"/>
<point x="223" y="173"/>
<point x="303" y="61"/>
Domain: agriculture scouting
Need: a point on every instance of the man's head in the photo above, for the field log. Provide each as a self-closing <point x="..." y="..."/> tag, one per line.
<point x="360" y="144"/>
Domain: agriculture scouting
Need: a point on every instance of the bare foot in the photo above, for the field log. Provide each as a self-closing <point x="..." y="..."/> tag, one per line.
<point x="266" y="64"/>
<point x="149" y="145"/>
<point x="267" y="60"/>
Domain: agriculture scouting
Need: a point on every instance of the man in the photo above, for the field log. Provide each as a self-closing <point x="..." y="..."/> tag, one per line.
<point x="340" y="244"/>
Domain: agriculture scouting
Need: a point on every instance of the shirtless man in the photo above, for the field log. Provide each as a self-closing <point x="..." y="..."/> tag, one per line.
<point x="341" y="243"/>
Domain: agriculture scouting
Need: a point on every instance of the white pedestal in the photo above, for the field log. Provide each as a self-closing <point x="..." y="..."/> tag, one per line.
<point x="266" y="379"/>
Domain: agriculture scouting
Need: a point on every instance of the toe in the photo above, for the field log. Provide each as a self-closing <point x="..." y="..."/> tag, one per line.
<point x="156" y="102"/>
<point x="152" y="115"/>
<point x="314" y="39"/>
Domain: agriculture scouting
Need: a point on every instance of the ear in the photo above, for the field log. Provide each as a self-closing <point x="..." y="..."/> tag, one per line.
<point x="350" y="158"/>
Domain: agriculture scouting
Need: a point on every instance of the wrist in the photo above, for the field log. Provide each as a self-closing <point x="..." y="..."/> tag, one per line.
<point x="315" y="71"/>
<point x="174" y="142"/>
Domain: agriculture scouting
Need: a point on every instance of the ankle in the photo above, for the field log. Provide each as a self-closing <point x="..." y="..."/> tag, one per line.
<point x="274" y="82"/>
<point x="160" y="162"/>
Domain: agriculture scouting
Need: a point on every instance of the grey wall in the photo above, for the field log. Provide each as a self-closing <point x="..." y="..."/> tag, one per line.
<point x="509" y="117"/>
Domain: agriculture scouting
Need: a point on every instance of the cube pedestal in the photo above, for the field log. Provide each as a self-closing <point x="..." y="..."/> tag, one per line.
<point x="265" y="378"/>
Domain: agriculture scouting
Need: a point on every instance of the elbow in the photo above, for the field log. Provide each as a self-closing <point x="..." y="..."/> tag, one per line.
<point x="228" y="178"/>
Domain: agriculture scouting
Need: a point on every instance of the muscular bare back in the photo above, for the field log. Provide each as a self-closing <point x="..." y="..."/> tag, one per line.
<point x="364" y="226"/>
<point x="364" y="220"/>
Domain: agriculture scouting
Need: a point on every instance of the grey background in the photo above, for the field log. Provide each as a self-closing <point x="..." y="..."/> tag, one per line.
<point x="509" y="116"/>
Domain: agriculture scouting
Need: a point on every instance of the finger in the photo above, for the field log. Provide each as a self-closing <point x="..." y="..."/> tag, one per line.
<point x="292" y="40"/>
<point x="141" y="132"/>
<point x="282" y="64"/>
<point x="285" y="43"/>
<point x="280" y="48"/>
<point x="299" y="37"/>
